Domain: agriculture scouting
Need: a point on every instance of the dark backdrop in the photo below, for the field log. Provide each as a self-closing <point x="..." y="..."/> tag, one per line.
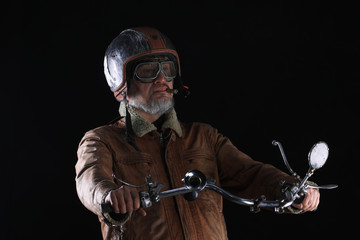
<point x="256" y="72"/>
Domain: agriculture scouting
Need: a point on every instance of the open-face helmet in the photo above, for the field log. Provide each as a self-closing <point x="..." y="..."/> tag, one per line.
<point x="131" y="46"/>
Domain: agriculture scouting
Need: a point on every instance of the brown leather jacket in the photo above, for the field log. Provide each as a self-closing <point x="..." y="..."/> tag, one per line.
<point x="167" y="157"/>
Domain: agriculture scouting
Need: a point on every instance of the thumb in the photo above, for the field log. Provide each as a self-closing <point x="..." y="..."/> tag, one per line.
<point x="142" y="212"/>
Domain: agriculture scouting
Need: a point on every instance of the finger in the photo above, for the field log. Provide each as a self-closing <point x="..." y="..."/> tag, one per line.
<point x="316" y="200"/>
<point x="312" y="200"/>
<point x="113" y="201"/>
<point x="297" y="205"/>
<point x="142" y="212"/>
<point x="121" y="200"/>
<point x="306" y="202"/>
<point x="128" y="200"/>
<point x="136" y="199"/>
<point x="303" y="204"/>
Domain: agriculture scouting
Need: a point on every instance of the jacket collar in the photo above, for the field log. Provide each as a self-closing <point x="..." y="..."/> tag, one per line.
<point x="141" y="126"/>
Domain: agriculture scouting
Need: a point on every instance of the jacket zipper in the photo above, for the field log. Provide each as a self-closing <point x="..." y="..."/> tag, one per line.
<point x="163" y="150"/>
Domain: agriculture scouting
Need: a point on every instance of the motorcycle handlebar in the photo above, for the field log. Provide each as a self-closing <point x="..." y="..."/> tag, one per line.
<point x="146" y="199"/>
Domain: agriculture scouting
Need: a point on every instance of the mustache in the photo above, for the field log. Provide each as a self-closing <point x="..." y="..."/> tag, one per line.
<point x="156" y="87"/>
<point x="168" y="89"/>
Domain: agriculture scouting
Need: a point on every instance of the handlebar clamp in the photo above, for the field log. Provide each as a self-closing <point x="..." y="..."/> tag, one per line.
<point x="255" y="208"/>
<point x="145" y="200"/>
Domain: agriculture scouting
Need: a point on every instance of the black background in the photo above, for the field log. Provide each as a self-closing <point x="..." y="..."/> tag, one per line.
<point x="257" y="72"/>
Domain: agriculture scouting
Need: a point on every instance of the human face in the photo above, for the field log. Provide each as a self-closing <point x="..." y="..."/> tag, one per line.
<point x="151" y="98"/>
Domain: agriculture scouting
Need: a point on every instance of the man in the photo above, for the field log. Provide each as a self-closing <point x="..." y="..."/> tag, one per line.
<point x="143" y="70"/>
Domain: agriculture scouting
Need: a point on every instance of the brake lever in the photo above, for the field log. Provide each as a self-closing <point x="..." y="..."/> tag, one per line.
<point x="328" y="186"/>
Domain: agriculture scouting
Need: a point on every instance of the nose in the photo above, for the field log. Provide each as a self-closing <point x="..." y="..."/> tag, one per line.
<point x="160" y="78"/>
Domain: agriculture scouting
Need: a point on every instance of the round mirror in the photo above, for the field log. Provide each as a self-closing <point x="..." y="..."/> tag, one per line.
<point x="318" y="155"/>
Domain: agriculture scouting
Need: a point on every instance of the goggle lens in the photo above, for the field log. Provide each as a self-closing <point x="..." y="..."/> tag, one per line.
<point x="149" y="71"/>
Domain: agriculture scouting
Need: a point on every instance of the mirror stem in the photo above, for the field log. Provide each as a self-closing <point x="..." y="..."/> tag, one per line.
<point x="307" y="176"/>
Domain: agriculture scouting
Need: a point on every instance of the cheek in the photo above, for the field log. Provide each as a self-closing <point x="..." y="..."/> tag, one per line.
<point x="138" y="92"/>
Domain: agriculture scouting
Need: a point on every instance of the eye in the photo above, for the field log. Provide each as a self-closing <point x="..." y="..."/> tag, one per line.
<point x="168" y="68"/>
<point x="146" y="69"/>
<point x="165" y="67"/>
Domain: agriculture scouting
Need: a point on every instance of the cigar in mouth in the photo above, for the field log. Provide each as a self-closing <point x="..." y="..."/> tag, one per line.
<point x="174" y="91"/>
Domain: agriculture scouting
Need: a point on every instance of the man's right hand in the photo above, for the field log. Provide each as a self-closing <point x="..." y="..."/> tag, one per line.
<point x="125" y="199"/>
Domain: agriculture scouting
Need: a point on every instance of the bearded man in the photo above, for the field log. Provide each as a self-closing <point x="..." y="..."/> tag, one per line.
<point x="142" y="68"/>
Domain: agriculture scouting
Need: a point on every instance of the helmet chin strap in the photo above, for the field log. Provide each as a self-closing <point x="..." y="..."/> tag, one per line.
<point x="129" y="134"/>
<point x="120" y="94"/>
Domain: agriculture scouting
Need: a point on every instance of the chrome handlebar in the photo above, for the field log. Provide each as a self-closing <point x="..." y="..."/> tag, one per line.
<point x="195" y="181"/>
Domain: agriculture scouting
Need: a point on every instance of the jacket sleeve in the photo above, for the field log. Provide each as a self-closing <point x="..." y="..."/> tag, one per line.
<point x="94" y="170"/>
<point x="242" y="176"/>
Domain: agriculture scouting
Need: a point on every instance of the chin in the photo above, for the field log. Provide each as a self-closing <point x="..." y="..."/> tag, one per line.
<point x="162" y="96"/>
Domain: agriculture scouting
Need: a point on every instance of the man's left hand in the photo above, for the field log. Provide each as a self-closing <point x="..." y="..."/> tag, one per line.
<point x="311" y="201"/>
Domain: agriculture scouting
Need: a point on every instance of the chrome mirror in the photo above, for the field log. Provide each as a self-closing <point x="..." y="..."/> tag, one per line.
<point x="318" y="155"/>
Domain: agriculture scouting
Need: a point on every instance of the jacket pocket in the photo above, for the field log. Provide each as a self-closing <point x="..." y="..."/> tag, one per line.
<point x="133" y="167"/>
<point x="204" y="161"/>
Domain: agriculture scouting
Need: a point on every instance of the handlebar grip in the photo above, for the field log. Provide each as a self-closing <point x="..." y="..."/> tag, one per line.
<point x="106" y="208"/>
<point x="300" y="199"/>
<point x="112" y="218"/>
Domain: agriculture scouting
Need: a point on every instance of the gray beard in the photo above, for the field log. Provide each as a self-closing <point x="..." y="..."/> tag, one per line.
<point x="158" y="107"/>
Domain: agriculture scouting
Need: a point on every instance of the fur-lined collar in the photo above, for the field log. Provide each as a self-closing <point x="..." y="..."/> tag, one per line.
<point x="141" y="126"/>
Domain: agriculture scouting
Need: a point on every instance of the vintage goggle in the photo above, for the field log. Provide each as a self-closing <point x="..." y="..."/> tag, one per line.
<point x="147" y="72"/>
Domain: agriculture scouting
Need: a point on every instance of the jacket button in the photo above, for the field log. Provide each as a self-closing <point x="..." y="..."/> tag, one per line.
<point x="173" y="137"/>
